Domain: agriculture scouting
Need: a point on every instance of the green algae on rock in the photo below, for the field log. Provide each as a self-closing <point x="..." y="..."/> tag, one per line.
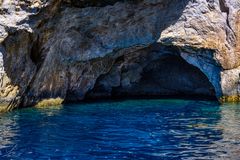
<point x="49" y="102"/>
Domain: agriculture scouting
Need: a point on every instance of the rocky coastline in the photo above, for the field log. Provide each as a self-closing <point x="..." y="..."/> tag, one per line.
<point x="57" y="51"/>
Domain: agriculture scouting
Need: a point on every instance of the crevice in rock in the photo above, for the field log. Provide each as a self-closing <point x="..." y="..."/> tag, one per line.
<point x="225" y="9"/>
<point x="35" y="53"/>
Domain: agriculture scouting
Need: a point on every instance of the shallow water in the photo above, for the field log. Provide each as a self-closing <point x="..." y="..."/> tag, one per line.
<point x="130" y="129"/>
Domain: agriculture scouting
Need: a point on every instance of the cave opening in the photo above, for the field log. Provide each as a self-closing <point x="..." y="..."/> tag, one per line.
<point x="169" y="76"/>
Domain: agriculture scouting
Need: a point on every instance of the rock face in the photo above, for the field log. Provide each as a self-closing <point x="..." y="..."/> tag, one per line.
<point x="77" y="49"/>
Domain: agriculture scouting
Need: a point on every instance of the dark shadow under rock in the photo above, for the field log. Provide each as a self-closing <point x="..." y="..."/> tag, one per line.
<point x="166" y="75"/>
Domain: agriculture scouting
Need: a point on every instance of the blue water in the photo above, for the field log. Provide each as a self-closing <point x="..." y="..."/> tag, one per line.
<point x="130" y="129"/>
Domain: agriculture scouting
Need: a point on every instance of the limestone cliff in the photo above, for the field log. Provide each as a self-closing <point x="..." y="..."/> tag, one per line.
<point x="75" y="49"/>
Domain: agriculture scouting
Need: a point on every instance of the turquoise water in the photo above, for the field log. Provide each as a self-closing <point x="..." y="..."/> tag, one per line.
<point x="130" y="129"/>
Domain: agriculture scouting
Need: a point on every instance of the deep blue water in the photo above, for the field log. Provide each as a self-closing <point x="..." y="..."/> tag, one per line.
<point x="130" y="129"/>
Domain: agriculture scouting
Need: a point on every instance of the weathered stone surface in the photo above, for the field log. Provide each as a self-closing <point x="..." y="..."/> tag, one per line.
<point x="68" y="49"/>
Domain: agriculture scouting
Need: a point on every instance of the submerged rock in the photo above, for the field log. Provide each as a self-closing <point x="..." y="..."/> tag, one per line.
<point x="72" y="50"/>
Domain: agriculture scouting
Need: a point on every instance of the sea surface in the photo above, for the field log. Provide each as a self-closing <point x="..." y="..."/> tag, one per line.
<point x="124" y="129"/>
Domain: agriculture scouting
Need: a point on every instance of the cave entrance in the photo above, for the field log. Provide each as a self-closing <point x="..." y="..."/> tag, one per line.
<point x="168" y="76"/>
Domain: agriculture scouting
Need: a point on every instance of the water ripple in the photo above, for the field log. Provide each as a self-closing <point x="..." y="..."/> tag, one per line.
<point x="133" y="129"/>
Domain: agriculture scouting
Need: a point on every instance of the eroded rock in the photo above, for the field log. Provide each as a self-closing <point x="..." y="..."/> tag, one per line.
<point x="66" y="49"/>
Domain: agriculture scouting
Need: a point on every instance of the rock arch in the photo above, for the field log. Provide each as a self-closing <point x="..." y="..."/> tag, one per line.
<point x="154" y="72"/>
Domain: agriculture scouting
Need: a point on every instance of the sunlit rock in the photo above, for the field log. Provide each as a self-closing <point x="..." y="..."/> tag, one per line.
<point x="64" y="48"/>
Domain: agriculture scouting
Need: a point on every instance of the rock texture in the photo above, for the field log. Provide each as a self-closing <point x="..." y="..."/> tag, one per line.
<point x="77" y="49"/>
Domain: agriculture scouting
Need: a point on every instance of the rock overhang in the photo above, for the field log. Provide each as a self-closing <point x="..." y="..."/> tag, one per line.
<point x="70" y="45"/>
